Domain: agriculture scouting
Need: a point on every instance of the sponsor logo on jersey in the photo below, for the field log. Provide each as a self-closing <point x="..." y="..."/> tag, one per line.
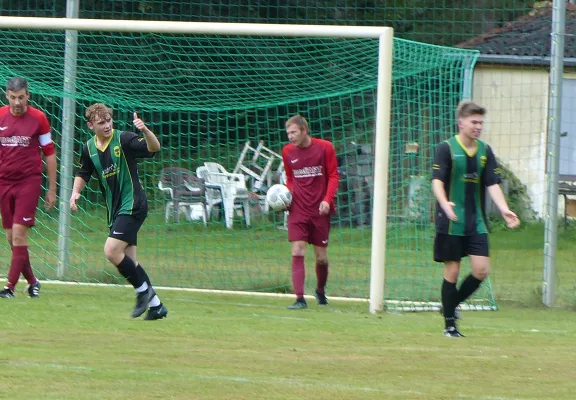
<point x="471" y="178"/>
<point x="308" y="172"/>
<point x="14" y="141"/>
<point x="110" y="171"/>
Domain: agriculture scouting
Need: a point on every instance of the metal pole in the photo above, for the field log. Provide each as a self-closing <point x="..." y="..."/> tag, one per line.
<point x="381" y="158"/>
<point x="553" y="150"/>
<point x="468" y="78"/>
<point x="67" y="146"/>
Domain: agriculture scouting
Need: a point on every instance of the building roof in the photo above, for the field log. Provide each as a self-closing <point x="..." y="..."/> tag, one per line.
<point x="528" y="36"/>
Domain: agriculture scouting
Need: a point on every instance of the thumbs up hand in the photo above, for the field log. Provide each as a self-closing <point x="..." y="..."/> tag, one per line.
<point x="152" y="143"/>
<point x="138" y="123"/>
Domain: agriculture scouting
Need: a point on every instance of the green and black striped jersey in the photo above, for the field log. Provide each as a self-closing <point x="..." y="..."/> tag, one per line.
<point x="115" y="167"/>
<point x="465" y="175"/>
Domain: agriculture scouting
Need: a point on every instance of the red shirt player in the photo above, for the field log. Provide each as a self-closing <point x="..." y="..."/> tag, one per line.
<point x="312" y="177"/>
<point x="24" y="131"/>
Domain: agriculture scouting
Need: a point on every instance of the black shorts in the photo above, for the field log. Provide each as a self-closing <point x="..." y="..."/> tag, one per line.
<point x="453" y="248"/>
<point x="125" y="228"/>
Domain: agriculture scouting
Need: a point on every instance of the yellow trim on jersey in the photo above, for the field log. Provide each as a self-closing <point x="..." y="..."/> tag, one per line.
<point x="107" y="143"/>
<point x="470" y="153"/>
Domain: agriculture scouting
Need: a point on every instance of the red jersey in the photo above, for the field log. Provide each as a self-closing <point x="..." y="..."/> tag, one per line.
<point x="21" y="138"/>
<point x="311" y="175"/>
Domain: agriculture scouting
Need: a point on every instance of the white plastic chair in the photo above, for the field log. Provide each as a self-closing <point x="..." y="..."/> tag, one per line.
<point x="213" y="196"/>
<point x="257" y="163"/>
<point x="226" y="189"/>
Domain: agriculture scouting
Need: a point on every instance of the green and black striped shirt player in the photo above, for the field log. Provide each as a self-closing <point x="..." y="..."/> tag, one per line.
<point x="465" y="175"/>
<point x="464" y="169"/>
<point x="115" y="167"/>
<point x="110" y="155"/>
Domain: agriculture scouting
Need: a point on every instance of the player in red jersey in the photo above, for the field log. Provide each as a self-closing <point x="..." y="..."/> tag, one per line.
<point x="24" y="131"/>
<point x="312" y="177"/>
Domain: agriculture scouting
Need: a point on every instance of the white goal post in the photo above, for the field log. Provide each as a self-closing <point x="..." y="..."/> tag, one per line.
<point x="384" y="91"/>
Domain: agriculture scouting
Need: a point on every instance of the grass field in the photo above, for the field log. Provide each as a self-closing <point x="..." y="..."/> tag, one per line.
<point x="258" y="259"/>
<point x="78" y="342"/>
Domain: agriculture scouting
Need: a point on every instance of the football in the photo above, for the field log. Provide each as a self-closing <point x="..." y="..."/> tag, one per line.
<point x="278" y="197"/>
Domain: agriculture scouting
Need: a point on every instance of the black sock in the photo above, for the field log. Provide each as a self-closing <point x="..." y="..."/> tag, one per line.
<point x="128" y="270"/>
<point x="141" y="271"/>
<point x="468" y="287"/>
<point x="449" y="301"/>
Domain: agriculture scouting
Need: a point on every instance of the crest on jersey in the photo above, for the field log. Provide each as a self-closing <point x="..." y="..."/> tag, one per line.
<point x="117" y="151"/>
<point x="483" y="160"/>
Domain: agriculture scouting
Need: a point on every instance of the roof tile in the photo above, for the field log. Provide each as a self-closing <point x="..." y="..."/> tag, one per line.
<point x="527" y="36"/>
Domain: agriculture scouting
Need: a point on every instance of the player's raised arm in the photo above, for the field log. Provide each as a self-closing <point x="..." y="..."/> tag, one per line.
<point x="151" y="139"/>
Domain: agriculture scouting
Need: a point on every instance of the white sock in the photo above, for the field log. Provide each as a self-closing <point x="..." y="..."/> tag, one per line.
<point x="155" y="302"/>
<point x="142" y="288"/>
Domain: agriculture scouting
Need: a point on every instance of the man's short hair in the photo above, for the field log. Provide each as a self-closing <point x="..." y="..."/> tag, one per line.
<point x="298" y="120"/>
<point x="15" y="84"/>
<point x="97" y="110"/>
<point x="468" y="108"/>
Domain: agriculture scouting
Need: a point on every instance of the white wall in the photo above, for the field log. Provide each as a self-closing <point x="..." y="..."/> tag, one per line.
<point x="517" y="103"/>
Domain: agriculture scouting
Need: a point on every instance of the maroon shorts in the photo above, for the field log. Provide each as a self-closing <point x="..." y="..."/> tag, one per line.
<point x="312" y="229"/>
<point x="18" y="201"/>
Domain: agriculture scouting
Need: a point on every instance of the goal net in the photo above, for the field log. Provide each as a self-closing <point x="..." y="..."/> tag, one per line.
<point x="206" y="96"/>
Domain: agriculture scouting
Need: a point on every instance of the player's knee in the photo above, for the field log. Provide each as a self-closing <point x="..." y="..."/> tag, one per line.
<point x="322" y="262"/>
<point x="481" y="273"/>
<point x="113" y="254"/>
<point x="19" y="237"/>
<point x="451" y="271"/>
<point x="109" y="254"/>
<point x="299" y="248"/>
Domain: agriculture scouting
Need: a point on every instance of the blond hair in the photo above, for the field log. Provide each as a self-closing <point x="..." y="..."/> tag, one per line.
<point x="97" y="110"/>
<point x="468" y="108"/>
<point x="298" y="120"/>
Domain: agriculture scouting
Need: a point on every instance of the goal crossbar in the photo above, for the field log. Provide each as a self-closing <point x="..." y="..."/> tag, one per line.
<point x="220" y="28"/>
